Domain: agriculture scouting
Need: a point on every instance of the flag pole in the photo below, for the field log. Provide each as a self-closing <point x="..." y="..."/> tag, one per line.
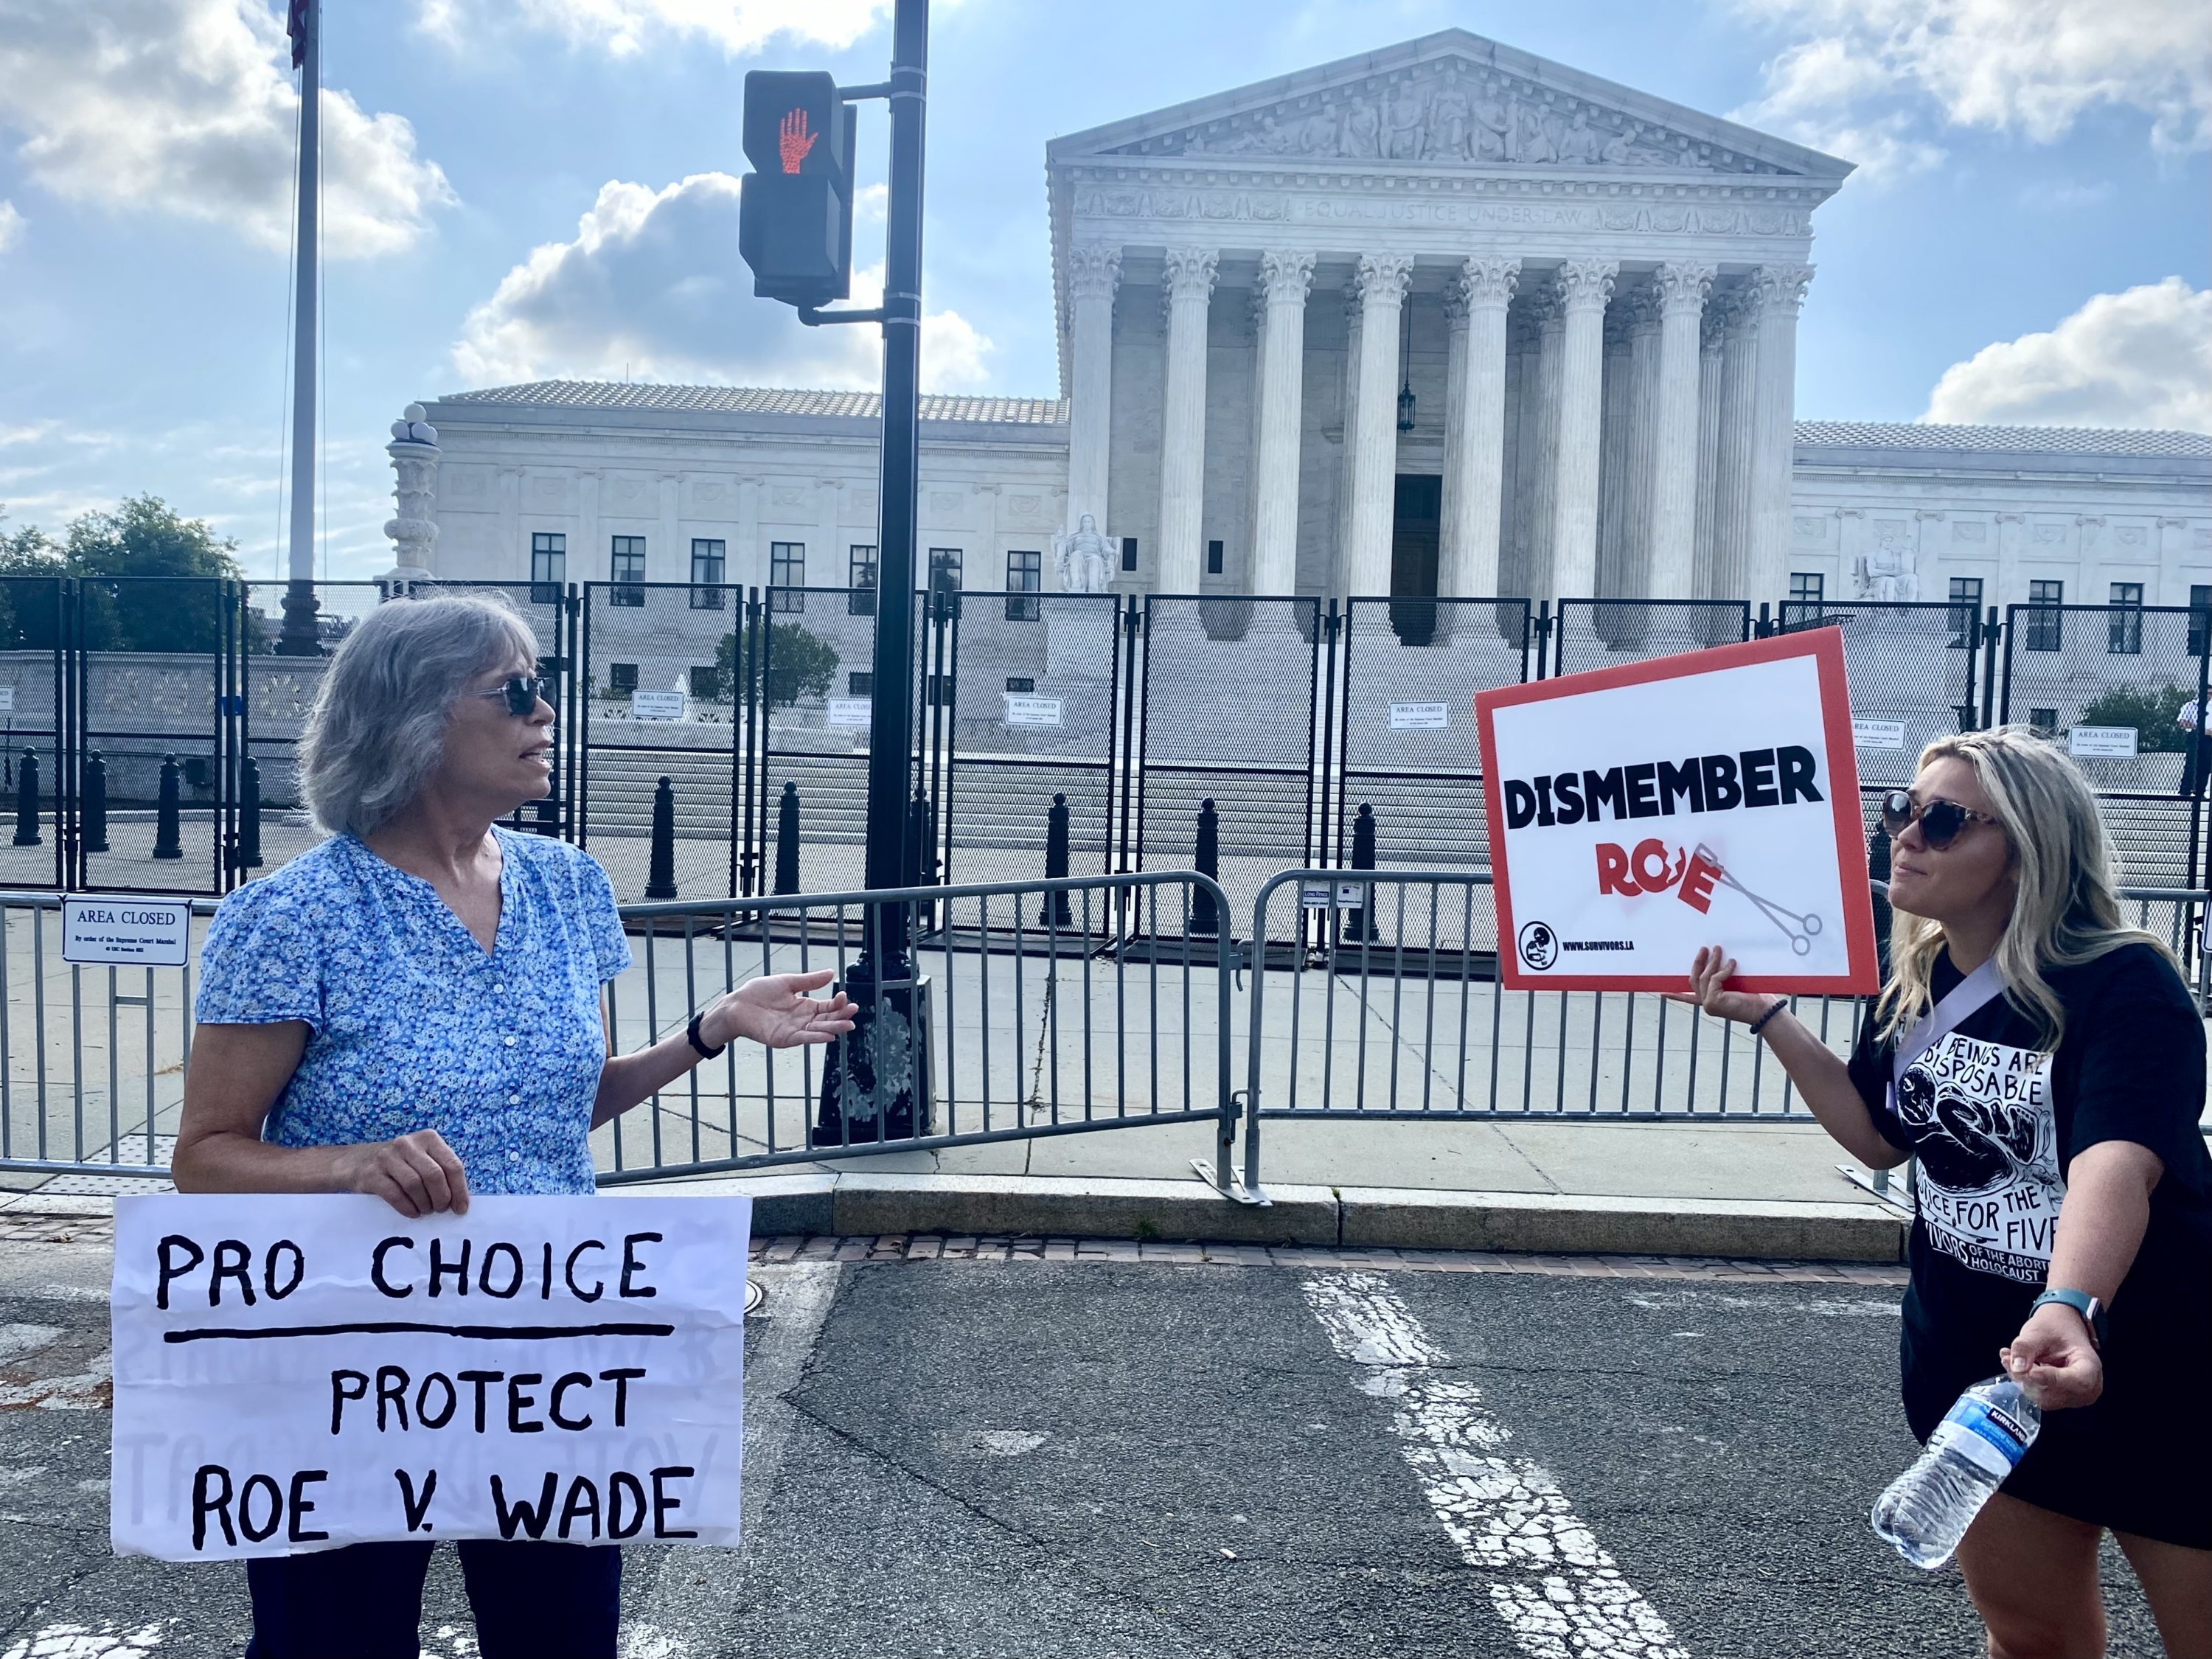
<point x="300" y="637"/>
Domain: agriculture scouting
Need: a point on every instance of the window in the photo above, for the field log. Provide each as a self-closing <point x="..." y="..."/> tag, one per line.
<point x="861" y="569"/>
<point x="1020" y="684"/>
<point x="621" y="677"/>
<point x="1128" y="552"/>
<point x="2045" y="721"/>
<point x="2044" y="626"/>
<point x="1213" y="557"/>
<point x="860" y="683"/>
<point x="2200" y="616"/>
<point x="707" y="683"/>
<point x="2123" y="627"/>
<point x="706" y="567"/>
<point x="1025" y="574"/>
<point x="786" y="573"/>
<point x="945" y="569"/>
<point x="1966" y="610"/>
<point x="548" y="567"/>
<point x="626" y="569"/>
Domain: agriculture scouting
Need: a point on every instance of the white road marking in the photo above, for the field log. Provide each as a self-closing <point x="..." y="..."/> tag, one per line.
<point x="1559" y="1592"/>
<point x="83" y="1641"/>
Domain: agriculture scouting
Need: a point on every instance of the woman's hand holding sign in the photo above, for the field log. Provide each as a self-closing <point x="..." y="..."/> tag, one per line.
<point x="1710" y="972"/>
<point x="416" y="1175"/>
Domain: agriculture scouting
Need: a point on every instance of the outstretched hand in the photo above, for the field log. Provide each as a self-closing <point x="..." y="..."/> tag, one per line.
<point x="1710" y="973"/>
<point x="775" y="1012"/>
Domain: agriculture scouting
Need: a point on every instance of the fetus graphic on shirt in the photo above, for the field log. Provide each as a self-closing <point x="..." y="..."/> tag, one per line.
<point x="1980" y="1118"/>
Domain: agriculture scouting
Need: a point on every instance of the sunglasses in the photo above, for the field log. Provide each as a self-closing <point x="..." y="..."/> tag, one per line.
<point x="1940" y="821"/>
<point x="523" y="694"/>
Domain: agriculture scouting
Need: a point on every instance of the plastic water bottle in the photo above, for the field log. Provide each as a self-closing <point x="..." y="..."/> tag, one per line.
<point x="1928" y="1508"/>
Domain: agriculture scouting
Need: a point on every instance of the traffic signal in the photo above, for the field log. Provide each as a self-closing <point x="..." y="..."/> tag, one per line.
<point x="795" y="208"/>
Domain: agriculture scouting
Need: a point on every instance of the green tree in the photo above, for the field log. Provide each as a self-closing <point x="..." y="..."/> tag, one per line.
<point x="2152" y="714"/>
<point x="800" y="665"/>
<point x="145" y="537"/>
<point x="29" y="563"/>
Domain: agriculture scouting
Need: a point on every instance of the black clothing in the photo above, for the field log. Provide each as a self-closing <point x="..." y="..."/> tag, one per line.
<point x="1995" y="1125"/>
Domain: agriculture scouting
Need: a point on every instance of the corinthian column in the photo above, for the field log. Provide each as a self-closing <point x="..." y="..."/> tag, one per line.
<point x="1673" y="514"/>
<point x="1733" y="465"/>
<point x="1780" y="291"/>
<point x="1540" y="452"/>
<point x="1644" y="331"/>
<point x="1710" y="332"/>
<point x="1383" y="281"/>
<point x="1584" y="287"/>
<point x="1093" y="273"/>
<point x="1475" y="465"/>
<point x="1189" y="285"/>
<point x="1285" y="279"/>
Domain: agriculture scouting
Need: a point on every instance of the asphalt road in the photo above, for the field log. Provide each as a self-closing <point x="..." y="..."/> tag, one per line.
<point x="1089" y="1460"/>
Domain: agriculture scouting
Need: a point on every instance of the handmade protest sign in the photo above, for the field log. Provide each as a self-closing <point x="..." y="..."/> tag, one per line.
<point x="297" y="1373"/>
<point x="1638" y="812"/>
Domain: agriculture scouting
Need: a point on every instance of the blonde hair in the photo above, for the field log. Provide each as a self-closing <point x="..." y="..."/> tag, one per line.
<point x="2066" y="908"/>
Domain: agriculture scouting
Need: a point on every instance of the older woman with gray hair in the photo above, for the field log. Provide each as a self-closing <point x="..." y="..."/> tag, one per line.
<point x="413" y="1009"/>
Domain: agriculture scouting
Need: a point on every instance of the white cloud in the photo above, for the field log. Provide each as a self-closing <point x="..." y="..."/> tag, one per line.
<point x="2033" y="67"/>
<point x="187" y="106"/>
<point x="2142" y="358"/>
<point x="624" y="28"/>
<point x="652" y="286"/>
<point x="11" y="225"/>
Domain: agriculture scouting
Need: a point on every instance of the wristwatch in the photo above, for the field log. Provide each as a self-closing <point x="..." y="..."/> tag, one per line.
<point x="2091" y="1309"/>
<point x="691" y="1034"/>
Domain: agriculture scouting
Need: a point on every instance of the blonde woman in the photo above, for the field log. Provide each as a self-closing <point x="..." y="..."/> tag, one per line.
<point x="2054" y="1075"/>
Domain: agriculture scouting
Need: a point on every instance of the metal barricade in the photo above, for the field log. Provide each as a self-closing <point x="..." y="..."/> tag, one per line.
<point x="1590" y="634"/>
<point x="1914" y="676"/>
<point x="37" y="723"/>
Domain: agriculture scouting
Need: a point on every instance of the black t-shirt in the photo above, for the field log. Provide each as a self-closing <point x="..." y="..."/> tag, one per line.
<point x="1996" y="1124"/>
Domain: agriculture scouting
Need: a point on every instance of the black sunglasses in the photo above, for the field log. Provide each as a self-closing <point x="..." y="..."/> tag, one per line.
<point x="522" y="694"/>
<point x="1940" y="821"/>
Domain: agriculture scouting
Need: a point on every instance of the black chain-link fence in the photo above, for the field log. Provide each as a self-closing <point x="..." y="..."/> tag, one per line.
<point x="37" y="721"/>
<point x="1915" y="676"/>
<point x="1228" y="714"/>
<point x="1586" y="633"/>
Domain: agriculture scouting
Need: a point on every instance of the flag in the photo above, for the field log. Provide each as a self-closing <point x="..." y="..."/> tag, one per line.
<point x="295" y="27"/>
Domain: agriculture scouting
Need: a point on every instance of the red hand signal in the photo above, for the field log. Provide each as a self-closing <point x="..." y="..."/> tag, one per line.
<point x="793" y="140"/>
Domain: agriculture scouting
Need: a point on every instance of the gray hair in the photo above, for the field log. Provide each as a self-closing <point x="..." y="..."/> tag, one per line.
<point x="378" y="727"/>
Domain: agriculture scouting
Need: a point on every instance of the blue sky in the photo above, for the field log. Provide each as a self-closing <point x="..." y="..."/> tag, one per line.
<point x="527" y="188"/>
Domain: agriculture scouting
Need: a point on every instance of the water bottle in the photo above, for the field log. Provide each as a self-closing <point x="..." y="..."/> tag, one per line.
<point x="1928" y="1508"/>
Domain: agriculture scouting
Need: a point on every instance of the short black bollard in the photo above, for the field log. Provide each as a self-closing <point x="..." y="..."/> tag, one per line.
<point x="1056" y="913"/>
<point x="1359" y="924"/>
<point x="660" y="864"/>
<point x="1204" y="915"/>
<point x="786" y="840"/>
<point x="168" y="835"/>
<point x="95" y="803"/>
<point x="27" y="801"/>
<point x="249" y="814"/>
<point x="1878" y="869"/>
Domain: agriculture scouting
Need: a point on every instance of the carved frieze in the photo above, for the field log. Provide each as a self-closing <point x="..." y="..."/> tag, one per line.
<point x="1452" y="111"/>
<point x="1295" y="205"/>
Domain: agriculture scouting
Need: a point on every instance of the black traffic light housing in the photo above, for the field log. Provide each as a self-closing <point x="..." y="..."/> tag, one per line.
<point x="795" y="209"/>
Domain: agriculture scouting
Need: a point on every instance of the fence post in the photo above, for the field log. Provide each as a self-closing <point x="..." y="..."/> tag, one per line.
<point x="1766" y="626"/>
<point x="1056" y="913"/>
<point x="786" y="840"/>
<point x="168" y="836"/>
<point x="1204" y="917"/>
<point x="1359" y="924"/>
<point x="27" y="801"/>
<point x="95" y="804"/>
<point x="1990" y="629"/>
<point x="1878" y="868"/>
<point x="921" y="856"/>
<point x="660" y="864"/>
<point x="249" y="814"/>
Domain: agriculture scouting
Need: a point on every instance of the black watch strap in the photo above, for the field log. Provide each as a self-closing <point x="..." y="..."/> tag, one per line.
<point x="691" y="1035"/>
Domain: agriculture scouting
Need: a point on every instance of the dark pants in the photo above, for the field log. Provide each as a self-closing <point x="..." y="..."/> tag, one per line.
<point x="530" y="1600"/>
<point x="2195" y="767"/>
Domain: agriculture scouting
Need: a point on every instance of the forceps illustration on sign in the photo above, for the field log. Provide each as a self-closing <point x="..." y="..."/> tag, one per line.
<point x="1799" y="930"/>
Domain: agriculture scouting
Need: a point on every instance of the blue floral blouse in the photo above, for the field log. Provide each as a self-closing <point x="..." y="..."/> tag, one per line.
<point x="414" y="1025"/>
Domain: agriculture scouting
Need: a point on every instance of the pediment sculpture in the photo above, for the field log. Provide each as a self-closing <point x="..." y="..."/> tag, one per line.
<point x="1453" y="114"/>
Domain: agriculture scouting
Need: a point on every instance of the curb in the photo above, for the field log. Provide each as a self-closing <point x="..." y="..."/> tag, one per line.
<point x="861" y="1205"/>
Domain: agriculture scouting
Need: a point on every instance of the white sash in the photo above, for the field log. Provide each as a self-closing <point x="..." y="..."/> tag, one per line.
<point x="1966" y="999"/>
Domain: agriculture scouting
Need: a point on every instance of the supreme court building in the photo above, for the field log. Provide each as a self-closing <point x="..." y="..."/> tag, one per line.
<point x="1445" y="318"/>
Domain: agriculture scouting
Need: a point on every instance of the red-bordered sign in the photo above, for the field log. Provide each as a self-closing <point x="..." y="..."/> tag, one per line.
<point x="1708" y="799"/>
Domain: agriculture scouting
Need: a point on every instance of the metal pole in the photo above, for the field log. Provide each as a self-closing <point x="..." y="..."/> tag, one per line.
<point x="298" y="636"/>
<point x="881" y="980"/>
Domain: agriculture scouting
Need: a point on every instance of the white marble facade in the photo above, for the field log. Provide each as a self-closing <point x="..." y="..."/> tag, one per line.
<point x="1592" y="295"/>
